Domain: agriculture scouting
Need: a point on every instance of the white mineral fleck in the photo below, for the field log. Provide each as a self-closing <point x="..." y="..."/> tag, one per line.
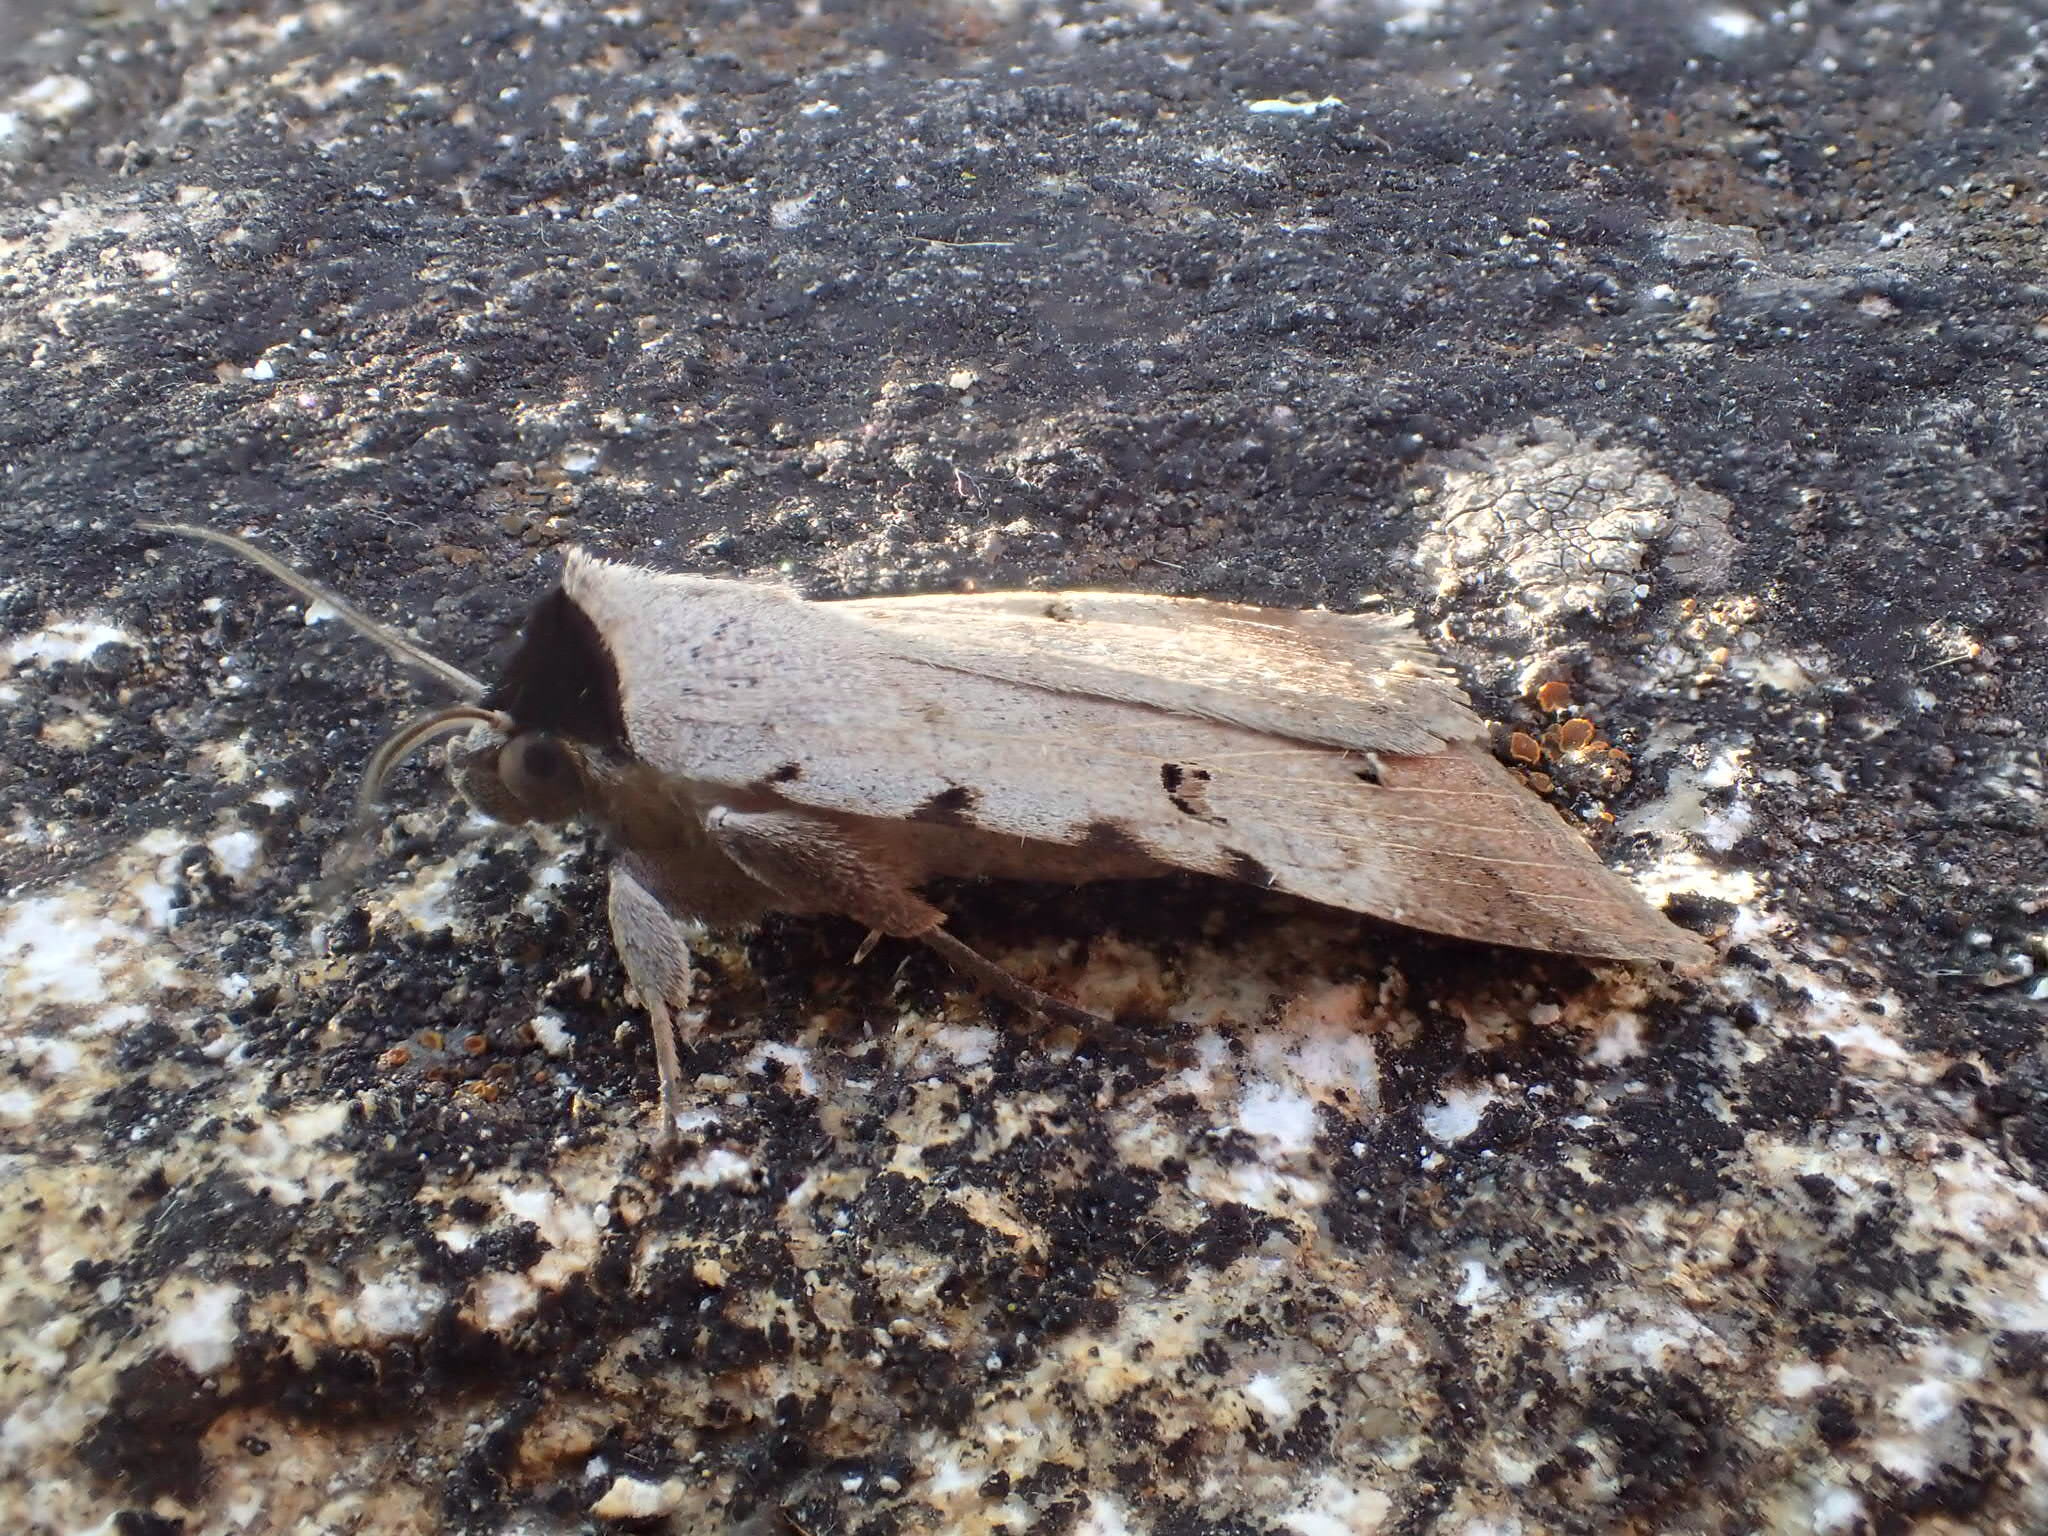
<point x="1335" y="1508"/>
<point x="199" y="1326"/>
<point x="715" y="1167"/>
<point x="798" y="1061"/>
<point x="1105" y="1517"/>
<point x="397" y="1308"/>
<point x="634" y="1498"/>
<point x="1283" y="1119"/>
<point x="54" y="98"/>
<point x="553" y="1034"/>
<point x="1479" y="1285"/>
<point x="790" y="212"/>
<point x="236" y="850"/>
<point x="1268" y="1396"/>
<point x="1275" y="106"/>
<point x="70" y="640"/>
<point x="1459" y="1114"/>
<point x="503" y="1299"/>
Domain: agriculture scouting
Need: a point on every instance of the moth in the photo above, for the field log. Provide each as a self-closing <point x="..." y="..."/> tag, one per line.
<point x="744" y="751"/>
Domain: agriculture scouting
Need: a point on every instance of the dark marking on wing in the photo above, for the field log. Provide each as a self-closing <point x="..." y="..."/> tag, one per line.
<point x="949" y="806"/>
<point x="1366" y="771"/>
<point x="788" y="773"/>
<point x="1113" y="837"/>
<point x="1248" y="869"/>
<point x="1188" y="789"/>
<point x="717" y="633"/>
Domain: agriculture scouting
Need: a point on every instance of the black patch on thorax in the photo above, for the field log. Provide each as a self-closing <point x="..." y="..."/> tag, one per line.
<point x="561" y="678"/>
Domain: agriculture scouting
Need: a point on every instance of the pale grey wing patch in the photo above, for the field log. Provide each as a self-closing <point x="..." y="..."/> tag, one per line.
<point x="1347" y="680"/>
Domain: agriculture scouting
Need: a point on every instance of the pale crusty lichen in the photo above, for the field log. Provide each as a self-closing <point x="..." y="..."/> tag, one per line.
<point x="1551" y="525"/>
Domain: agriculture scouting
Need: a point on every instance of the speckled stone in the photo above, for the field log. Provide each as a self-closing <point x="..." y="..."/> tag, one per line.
<point x="1687" y="357"/>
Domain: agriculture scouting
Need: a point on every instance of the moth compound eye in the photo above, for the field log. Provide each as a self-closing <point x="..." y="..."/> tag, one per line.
<point x="541" y="773"/>
<point x="540" y="760"/>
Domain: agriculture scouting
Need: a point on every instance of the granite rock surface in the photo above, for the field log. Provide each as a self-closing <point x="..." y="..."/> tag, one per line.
<point x="1688" y="359"/>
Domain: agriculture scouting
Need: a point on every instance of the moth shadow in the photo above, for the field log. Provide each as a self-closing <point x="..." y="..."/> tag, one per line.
<point x="1155" y="956"/>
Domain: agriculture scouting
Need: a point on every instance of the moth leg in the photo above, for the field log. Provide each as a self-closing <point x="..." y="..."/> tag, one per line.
<point x="1090" y="1026"/>
<point x="655" y="951"/>
<point x="818" y="865"/>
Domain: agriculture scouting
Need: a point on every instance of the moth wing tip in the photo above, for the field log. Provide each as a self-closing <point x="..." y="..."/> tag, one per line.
<point x="1660" y="939"/>
<point x="1693" y="956"/>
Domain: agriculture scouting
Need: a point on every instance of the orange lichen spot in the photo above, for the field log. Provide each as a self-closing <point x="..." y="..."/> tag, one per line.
<point x="1574" y="735"/>
<point x="432" y="1039"/>
<point x="394" y="1058"/>
<point x="1553" y="696"/>
<point x="1524" y="748"/>
<point x="475" y="1045"/>
<point x="1542" y="783"/>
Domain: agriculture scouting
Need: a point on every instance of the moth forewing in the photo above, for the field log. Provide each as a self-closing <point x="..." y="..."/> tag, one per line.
<point x="1042" y="732"/>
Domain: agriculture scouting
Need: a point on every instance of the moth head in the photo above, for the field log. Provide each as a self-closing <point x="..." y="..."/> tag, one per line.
<point x="557" y="721"/>
<point x="520" y="775"/>
<point x="536" y="741"/>
<point x="532" y="745"/>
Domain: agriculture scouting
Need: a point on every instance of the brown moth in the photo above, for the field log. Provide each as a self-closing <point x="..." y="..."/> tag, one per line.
<point x="745" y="751"/>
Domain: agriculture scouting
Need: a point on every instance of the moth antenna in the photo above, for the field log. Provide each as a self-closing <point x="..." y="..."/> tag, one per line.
<point x="408" y="739"/>
<point x="401" y="646"/>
